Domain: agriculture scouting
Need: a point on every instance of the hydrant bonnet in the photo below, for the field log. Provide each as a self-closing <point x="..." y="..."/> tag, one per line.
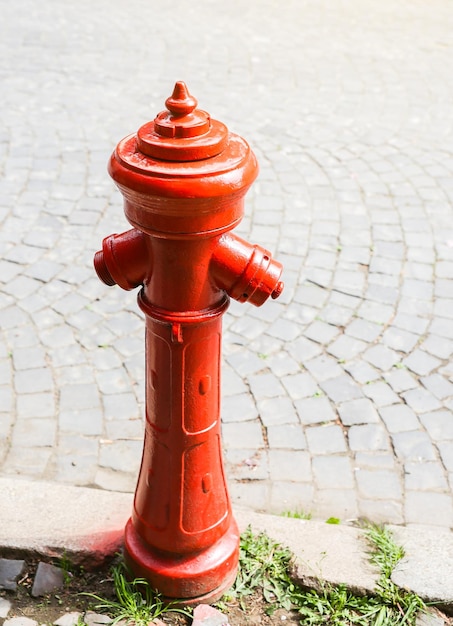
<point x="186" y="156"/>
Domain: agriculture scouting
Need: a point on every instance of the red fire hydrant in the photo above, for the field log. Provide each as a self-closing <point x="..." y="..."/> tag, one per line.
<point x="184" y="178"/>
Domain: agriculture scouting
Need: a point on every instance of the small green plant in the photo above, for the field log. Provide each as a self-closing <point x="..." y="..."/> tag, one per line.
<point x="397" y="605"/>
<point x="296" y="514"/>
<point x="136" y="602"/>
<point x="264" y="564"/>
<point x="66" y="566"/>
<point x="333" y="520"/>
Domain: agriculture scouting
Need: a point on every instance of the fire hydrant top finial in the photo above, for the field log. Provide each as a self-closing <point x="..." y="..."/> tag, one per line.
<point x="181" y="102"/>
<point x="182" y="132"/>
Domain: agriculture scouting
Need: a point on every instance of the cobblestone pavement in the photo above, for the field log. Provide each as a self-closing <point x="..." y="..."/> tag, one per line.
<point x="338" y="397"/>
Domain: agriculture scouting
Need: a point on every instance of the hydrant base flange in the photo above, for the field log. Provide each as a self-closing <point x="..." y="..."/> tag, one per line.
<point x="194" y="579"/>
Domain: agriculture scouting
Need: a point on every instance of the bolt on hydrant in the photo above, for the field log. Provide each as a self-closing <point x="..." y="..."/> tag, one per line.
<point x="184" y="177"/>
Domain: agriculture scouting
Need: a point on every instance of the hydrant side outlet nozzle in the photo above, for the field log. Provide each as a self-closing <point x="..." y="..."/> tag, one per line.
<point x="183" y="177"/>
<point x="124" y="260"/>
<point x="246" y="272"/>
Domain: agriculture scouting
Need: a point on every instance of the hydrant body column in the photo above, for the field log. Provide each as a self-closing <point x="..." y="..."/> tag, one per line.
<point x="183" y="178"/>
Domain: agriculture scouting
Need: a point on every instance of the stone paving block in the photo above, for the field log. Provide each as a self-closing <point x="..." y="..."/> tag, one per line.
<point x="438" y="346"/>
<point x="277" y="411"/>
<point x="364" y="330"/>
<point x="114" y="381"/>
<point x="346" y="347"/>
<point x="381" y="357"/>
<point x="361" y="371"/>
<point x="315" y="410"/>
<point x="446" y="453"/>
<point x="282" y="364"/>
<point x="302" y="349"/>
<point x="380" y="393"/>
<point x="341" y="389"/>
<point x="248" y="327"/>
<point x="121" y="456"/>
<point x="411" y="323"/>
<point x="300" y="385"/>
<point x="323" y="367"/>
<point x="339" y="503"/>
<point x="437" y="385"/>
<point x="375" y="312"/>
<point x="311" y="295"/>
<point x="29" y="358"/>
<point x="375" y="459"/>
<point x="421" y="362"/>
<point x="265" y="386"/>
<point x="249" y="464"/>
<point x="442" y="327"/>
<point x="232" y="384"/>
<point x="425" y="476"/>
<point x="83" y="396"/>
<point x="34" y="432"/>
<point x="26" y="462"/>
<point x="246" y="435"/>
<point x="368" y="437"/>
<point x="413" y="445"/>
<point x="439" y="425"/>
<point x="359" y="411"/>
<point x="34" y="380"/>
<point x="238" y="408"/>
<point x="399" y="339"/>
<point x="333" y="472"/>
<point x="378" y="485"/>
<point x="289" y="465"/>
<point x="429" y="507"/>
<point x="400" y="380"/>
<point x="383" y="511"/>
<point x="245" y="363"/>
<point x="85" y="422"/>
<point x="57" y="336"/>
<point x="399" y="418"/>
<point x="326" y="439"/>
<point x="290" y="497"/>
<point x="421" y="400"/>
<point x="321" y="332"/>
<point x="288" y="436"/>
<point x="36" y="405"/>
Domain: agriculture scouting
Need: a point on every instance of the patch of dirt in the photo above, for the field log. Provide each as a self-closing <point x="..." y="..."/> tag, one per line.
<point x="71" y="598"/>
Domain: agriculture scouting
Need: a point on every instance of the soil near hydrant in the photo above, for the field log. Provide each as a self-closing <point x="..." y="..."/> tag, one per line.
<point x="71" y="598"/>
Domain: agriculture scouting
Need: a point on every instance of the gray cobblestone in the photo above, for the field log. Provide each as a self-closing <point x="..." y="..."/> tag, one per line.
<point x="238" y="408"/>
<point x="420" y="504"/>
<point x="287" y="436"/>
<point x="426" y="476"/>
<point x="446" y="453"/>
<point x="378" y="485"/>
<point x="359" y="411"/>
<point x="315" y="410"/>
<point x="277" y="411"/>
<point x="413" y="446"/>
<point x="325" y="439"/>
<point x="438" y="424"/>
<point x="367" y="437"/>
<point x="399" y="418"/>
<point x="341" y="389"/>
<point x="333" y="472"/>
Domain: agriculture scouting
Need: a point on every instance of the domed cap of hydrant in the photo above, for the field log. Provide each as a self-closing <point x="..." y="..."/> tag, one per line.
<point x="183" y="173"/>
<point x="183" y="132"/>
